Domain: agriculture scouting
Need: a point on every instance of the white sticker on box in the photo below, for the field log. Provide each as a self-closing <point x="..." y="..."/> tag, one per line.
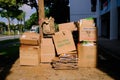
<point x="23" y="36"/>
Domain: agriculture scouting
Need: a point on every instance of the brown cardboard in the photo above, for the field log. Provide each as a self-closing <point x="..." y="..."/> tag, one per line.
<point x="47" y="58"/>
<point x="87" y="55"/>
<point x="48" y="26"/>
<point x="30" y="38"/>
<point x="88" y="33"/>
<point x="87" y="30"/>
<point x="47" y="50"/>
<point x="63" y="41"/>
<point x="29" y="55"/>
<point x="87" y="22"/>
<point x="67" y="26"/>
<point x="59" y="64"/>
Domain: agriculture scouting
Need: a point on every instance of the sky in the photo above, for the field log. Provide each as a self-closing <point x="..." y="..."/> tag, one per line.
<point x="27" y="9"/>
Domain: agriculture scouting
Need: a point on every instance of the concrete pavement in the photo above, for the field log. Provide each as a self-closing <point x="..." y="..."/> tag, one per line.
<point x="3" y="37"/>
<point x="110" y="47"/>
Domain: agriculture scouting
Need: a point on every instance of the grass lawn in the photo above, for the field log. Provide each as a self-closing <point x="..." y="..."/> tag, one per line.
<point x="8" y="55"/>
<point x="8" y="41"/>
<point x="11" y="50"/>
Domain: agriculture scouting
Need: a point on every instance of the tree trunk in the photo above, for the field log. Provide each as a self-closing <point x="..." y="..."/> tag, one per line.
<point x="8" y="25"/>
<point x="41" y="9"/>
<point x="41" y="14"/>
<point x="21" y="27"/>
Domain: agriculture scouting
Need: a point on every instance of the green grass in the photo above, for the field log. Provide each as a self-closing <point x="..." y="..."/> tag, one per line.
<point x="11" y="50"/>
<point x="8" y="41"/>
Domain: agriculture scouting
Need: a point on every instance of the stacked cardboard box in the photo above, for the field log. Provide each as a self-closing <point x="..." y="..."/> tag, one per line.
<point x="65" y="61"/>
<point x="60" y="47"/>
<point x="30" y="38"/>
<point x="87" y="55"/>
<point x="29" y="49"/>
<point x="65" y="48"/>
<point x="87" y="47"/>
<point x="47" y="46"/>
<point x="47" y="50"/>
<point x="55" y="44"/>
<point x="87" y="30"/>
<point x="65" y="43"/>
<point x="69" y="26"/>
<point x="47" y="27"/>
<point x="29" y="55"/>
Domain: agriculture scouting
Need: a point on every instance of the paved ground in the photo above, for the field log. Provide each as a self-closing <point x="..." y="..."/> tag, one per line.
<point x="45" y="72"/>
<point x="2" y="37"/>
<point x="107" y="69"/>
<point x="110" y="47"/>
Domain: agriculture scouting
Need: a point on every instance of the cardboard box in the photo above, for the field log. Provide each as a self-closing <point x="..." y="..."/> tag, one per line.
<point x="30" y="38"/>
<point x="88" y="33"/>
<point x="67" y="26"/>
<point x="47" y="50"/>
<point x="87" y="55"/>
<point x="47" y="58"/>
<point x="87" y="30"/>
<point x="63" y="41"/>
<point x="29" y="55"/>
<point x="87" y="22"/>
<point x="48" y="26"/>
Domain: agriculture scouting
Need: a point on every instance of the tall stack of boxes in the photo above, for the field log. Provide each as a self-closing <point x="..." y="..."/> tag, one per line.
<point x="63" y="49"/>
<point x="87" y="47"/>
<point x="29" y="49"/>
<point x="47" y="46"/>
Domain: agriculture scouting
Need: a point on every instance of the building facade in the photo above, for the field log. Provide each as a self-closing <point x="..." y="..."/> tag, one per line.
<point x="106" y="15"/>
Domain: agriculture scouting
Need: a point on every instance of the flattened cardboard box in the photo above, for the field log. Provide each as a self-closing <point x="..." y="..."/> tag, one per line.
<point x="87" y="56"/>
<point x="63" y="41"/>
<point x="67" y="26"/>
<point x="30" y="38"/>
<point x="47" y="50"/>
<point x="29" y="55"/>
<point x="63" y="65"/>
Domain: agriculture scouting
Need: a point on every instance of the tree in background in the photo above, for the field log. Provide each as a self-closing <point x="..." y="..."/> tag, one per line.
<point x="32" y="21"/>
<point x="21" y="19"/>
<point x="3" y="27"/>
<point x="59" y="9"/>
<point x="7" y="15"/>
<point x="31" y="3"/>
<point x="9" y="10"/>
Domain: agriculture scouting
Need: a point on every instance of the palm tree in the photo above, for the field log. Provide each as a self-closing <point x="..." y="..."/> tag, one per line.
<point x="21" y="18"/>
<point x="6" y="14"/>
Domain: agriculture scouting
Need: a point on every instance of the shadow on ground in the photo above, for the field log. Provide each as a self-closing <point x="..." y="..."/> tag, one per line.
<point x="5" y="65"/>
<point x="109" y="64"/>
<point x="8" y="55"/>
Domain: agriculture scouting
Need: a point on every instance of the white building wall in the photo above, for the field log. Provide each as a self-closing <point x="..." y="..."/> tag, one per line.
<point x="113" y="20"/>
<point x="98" y="18"/>
<point x="80" y="9"/>
<point x="118" y="3"/>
